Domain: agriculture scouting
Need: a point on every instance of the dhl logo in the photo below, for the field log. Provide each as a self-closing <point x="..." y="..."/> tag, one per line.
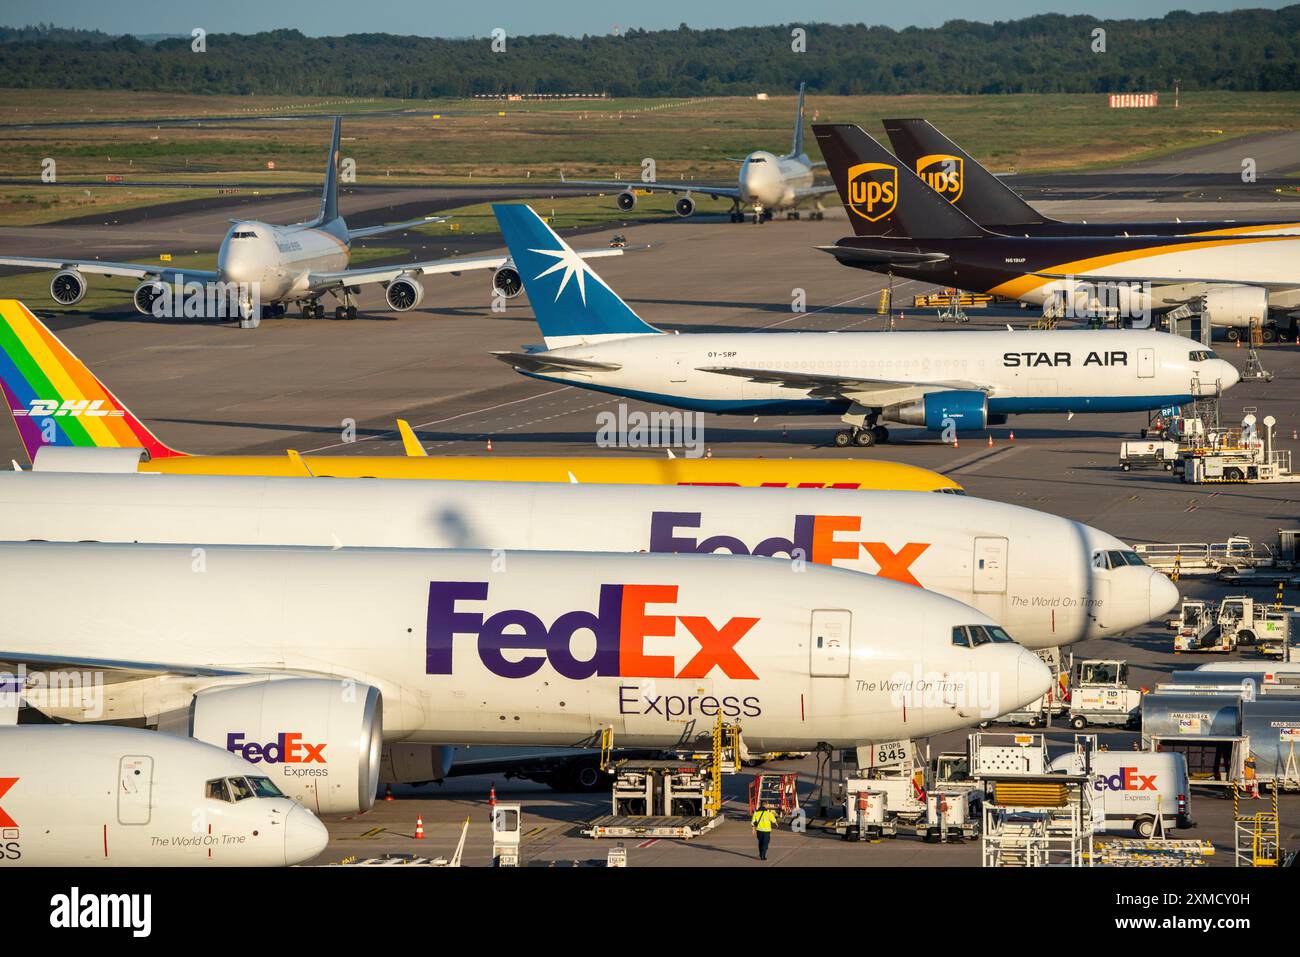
<point x="943" y="173"/>
<point x="91" y="408"/>
<point x="873" y="190"/>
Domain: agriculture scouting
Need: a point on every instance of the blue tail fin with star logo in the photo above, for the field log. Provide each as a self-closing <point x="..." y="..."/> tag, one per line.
<point x="572" y="304"/>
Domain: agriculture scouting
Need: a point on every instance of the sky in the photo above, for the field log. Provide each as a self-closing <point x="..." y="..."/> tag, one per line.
<point x="523" y="17"/>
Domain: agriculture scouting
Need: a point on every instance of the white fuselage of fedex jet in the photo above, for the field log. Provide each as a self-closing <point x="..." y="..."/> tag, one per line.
<point x="1049" y="581"/>
<point x="521" y="647"/>
<point x="101" y="796"/>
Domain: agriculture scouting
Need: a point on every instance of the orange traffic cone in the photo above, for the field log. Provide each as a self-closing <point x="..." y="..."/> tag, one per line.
<point x="1012" y="438"/>
<point x="489" y="445"/>
<point x="955" y="443"/>
<point x="1238" y="343"/>
<point x="388" y="793"/>
<point x="990" y="440"/>
<point x="708" y="453"/>
<point x="1293" y="435"/>
<point x="419" y="827"/>
<point x="492" y="797"/>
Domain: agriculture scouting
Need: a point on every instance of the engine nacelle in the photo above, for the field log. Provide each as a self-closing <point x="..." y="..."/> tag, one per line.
<point x="320" y="740"/>
<point x="1235" y="306"/>
<point x="966" y="409"/>
<point x="145" y="295"/>
<point x="68" y="287"/>
<point x="684" y="206"/>
<point x="404" y="293"/>
<point x="506" y="281"/>
<point x="627" y="200"/>
<point x="405" y="763"/>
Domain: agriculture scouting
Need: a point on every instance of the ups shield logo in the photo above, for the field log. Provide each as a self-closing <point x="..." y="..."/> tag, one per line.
<point x="943" y="173"/>
<point x="873" y="190"/>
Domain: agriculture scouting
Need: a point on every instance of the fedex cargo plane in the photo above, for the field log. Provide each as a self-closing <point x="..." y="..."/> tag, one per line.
<point x="1048" y="580"/>
<point x="101" y="796"/>
<point x="339" y="652"/>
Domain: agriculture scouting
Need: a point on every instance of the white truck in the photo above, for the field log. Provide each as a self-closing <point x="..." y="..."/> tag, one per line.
<point x="1148" y="453"/>
<point x="1131" y="788"/>
<point x="1258" y="623"/>
<point x="1101" y="695"/>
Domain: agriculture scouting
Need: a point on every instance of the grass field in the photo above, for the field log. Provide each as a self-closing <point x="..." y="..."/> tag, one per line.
<point x="467" y="141"/>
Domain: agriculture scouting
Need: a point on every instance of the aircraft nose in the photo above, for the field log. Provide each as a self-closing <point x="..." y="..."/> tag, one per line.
<point x="304" y="836"/>
<point x="1164" y="595"/>
<point x="1229" y="376"/>
<point x="1034" y="679"/>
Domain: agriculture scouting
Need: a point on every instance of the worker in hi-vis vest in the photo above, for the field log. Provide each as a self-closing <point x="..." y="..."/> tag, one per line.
<point x="762" y="822"/>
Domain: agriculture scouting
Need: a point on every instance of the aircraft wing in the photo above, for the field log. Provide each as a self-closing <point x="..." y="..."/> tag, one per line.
<point x="1270" y="284"/>
<point x="873" y="393"/>
<point x="97" y="267"/>
<point x="543" y="362"/>
<point x="113" y="670"/>
<point x="717" y="192"/>
<point x="359" y="277"/>
<point x="873" y="258"/>
<point x="394" y="227"/>
<point x="814" y="191"/>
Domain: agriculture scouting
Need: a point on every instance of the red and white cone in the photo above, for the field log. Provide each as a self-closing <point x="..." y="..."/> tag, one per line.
<point x="489" y="445"/>
<point x="388" y="793"/>
<point x="990" y="440"/>
<point x="419" y="827"/>
<point x="1012" y="438"/>
<point x="708" y="453"/>
<point x="492" y="798"/>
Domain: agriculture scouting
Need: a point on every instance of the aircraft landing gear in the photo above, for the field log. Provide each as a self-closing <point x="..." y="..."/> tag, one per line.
<point x="345" y="312"/>
<point x="762" y="215"/>
<point x="313" y="310"/>
<point x="793" y="214"/>
<point x="862" y="438"/>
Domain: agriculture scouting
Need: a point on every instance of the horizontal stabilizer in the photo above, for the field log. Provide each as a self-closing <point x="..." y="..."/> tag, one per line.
<point x="857" y="256"/>
<point x="545" y="362"/>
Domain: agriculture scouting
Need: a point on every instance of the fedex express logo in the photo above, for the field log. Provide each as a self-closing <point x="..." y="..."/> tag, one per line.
<point x="1127" y="779"/>
<point x="815" y="538"/>
<point x="91" y="408"/>
<point x="287" y="748"/>
<point x="515" y="643"/>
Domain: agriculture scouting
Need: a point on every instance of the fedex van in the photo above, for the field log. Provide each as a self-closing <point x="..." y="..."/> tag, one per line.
<point x="1130" y="787"/>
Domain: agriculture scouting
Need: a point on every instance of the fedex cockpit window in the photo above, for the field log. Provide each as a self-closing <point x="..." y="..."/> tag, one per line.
<point x="972" y="636"/>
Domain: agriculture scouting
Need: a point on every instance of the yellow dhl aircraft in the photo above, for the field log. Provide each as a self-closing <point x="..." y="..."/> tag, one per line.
<point x="59" y="405"/>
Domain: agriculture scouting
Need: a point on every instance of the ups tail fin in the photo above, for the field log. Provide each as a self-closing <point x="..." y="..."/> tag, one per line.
<point x="796" y="145"/>
<point x="958" y="178"/>
<point x="329" y="200"/>
<point x="55" y="399"/>
<point x="572" y="304"/>
<point x="881" y="196"/>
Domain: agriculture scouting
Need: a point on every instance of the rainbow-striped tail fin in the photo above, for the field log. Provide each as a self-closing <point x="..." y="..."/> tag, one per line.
<point x="55" y="399"/>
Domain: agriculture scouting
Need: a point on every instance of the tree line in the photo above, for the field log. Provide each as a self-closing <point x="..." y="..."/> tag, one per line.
<point x="1244" y="50"/>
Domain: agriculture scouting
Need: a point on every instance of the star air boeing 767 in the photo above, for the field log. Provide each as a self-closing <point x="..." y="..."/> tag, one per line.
<point x="265" y="267"/>
<point x="903" y="227"/>
<point x="938" y="380"/>
<point x="767" y="183"/>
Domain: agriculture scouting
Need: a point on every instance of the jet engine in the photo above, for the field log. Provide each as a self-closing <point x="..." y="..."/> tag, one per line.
<point x="627" y="200"/>
<point x="68" y="287"/>
<point x="966" y="409"/>
<point x="506" y="280"/>
<point x="145" y="295"/>
<point x="404" y="293"/>
<point x="1235" y="306"/>
<point x="405" y="763"/>
<point x="320" y="740"/>
<point x="684" y="206"/>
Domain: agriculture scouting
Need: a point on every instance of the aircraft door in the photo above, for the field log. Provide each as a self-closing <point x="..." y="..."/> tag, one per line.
<point x="1146" y="363"/>
<point x="678" y="373"/>
<point x="134" y="789"/>
<point x="990" y="566"/>
<point x="831" y="643"/>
